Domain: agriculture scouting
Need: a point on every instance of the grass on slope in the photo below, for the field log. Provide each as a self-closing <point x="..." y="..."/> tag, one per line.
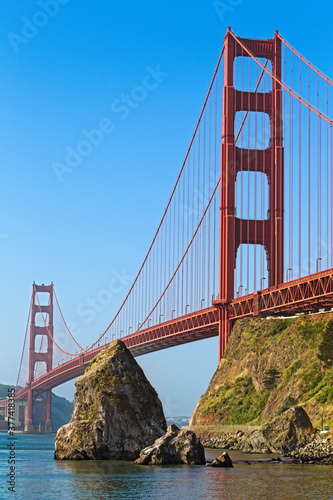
<point x="269" y="366"/>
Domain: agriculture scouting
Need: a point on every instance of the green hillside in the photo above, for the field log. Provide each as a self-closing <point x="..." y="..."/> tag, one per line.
<point x="270" y="365"/>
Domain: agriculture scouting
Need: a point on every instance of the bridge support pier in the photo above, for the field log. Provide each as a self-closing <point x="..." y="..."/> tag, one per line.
<point x="28" y="425"/>
<point x="225" y="325"/>
<point x="48" y="423"/>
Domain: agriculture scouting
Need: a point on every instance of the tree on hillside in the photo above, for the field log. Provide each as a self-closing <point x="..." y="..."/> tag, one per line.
<point x="271" y="378"/>
<point x="326" y="345"/>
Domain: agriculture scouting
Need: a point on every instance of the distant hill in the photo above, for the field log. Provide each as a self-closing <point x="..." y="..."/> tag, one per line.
<point x="61" y="409"/>
<point x="179" y="421"/>
<point x="270" y="365"/>
<point x="4" y="390"/>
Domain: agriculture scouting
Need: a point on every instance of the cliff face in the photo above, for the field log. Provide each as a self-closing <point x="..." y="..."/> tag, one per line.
<point x="116" y="413"/>
<point x="269" y="366"/>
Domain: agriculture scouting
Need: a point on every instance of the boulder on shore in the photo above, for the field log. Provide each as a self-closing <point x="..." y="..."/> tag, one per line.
<point x="222" y="461"/>
<point x="116" y="410"/>
<point x="175" y="447"/>
<point x="282" y="435"/>
<point x="319" y="450"/>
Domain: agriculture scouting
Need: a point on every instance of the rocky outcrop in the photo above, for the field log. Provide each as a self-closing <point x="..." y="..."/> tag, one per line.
<point x="175" y="447"/>
<point x="269" y="365"/>
<point x="283" y="434"/>
<point x="116" y="410"/>
<point x="222" y="461"/>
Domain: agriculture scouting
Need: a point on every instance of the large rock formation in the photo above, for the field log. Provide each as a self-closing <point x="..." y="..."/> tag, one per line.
<point x="289" y="431"/>
<point x="269" y="366"/>
<point x="175" y="447"/>
<point x="116" y="413"/>
<point x="282" y="435"/>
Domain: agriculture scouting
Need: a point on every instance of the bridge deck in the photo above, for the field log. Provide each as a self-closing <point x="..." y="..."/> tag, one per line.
<point x="309" y="294"/>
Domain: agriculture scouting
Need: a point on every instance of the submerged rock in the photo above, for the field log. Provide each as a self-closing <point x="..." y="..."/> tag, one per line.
<point x="222" y="461"/>
<point x="116" y="410"/>
<point x="175" y="447"/>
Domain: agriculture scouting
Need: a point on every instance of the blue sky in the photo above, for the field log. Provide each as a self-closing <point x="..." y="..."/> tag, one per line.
<point x="79" y="226"/>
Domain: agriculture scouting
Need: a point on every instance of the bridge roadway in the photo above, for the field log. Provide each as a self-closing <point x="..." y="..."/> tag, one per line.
<point x="306" y="295"/>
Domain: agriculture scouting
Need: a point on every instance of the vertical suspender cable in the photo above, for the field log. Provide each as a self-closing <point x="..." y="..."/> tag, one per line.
<point x="183" y="236"/>
<point x="209" y="213"/>
<point x="300" y="173"/>
<point x="318" y="180"/>
<point x="192" y="267"/>
<point x="197" y="240"/>
<point x="241" y="179"/>
<point x="165" y="311"/>
<point x="291" y="170"/>
<point x="215" y="165"/>
<point x="178" y="291"/>
<point x="153" y="277"/>
<point x="284" y="97"/>
<point x="331" y="201"/>
<point x="327" y="182"/>
<point x="309" y="177"/>
<point x="204" y="225"/>
<point x="161" y="268"/>
<point x="187" y="227"/>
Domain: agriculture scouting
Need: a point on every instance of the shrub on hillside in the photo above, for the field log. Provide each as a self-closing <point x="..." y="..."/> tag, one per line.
<point x="326" y="345"/>
<point x="278" y="326"/>
<point x="308" y="330"/>
<point x="271" y="378"/>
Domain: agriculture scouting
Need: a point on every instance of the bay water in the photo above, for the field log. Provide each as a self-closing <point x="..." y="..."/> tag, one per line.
<point x="38" y="476"/>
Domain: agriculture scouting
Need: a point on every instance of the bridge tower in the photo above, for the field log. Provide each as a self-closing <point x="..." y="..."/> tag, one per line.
<point x="39" y="402"/>
<point x="235" y="231"/>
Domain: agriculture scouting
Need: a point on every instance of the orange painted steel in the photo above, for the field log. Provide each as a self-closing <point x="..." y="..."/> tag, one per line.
<point x="305" y="60"/>
<point x="309" y="294"/>
<point x="39" y="405"/>
<point x="194" y="326"/>
<point x="305" y="295"/>
<point x="236" y="231"/>
<point x="278" y="80"/>
<point x="189" y="328"/>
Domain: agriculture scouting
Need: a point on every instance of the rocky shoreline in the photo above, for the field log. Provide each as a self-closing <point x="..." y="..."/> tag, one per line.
<point x="319" y="449"/>
<point x="118" y="415"/>
<point x="291" y="434"/>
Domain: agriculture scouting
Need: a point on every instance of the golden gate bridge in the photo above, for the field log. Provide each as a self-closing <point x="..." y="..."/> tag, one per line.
<point x="247" y="230"/>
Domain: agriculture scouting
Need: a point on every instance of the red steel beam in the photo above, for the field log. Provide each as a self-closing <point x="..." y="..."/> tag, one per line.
<point x="189" y="328"/>
<point x="309" y="294"/>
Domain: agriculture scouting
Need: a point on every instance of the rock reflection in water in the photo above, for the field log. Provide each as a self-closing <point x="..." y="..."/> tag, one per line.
<point x="124" y="480"/>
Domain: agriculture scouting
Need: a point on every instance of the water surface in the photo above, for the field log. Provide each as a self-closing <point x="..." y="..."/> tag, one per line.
<point x="39" y="476"/>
